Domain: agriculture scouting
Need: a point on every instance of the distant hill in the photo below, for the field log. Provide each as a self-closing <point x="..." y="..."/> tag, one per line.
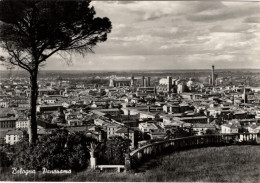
<point x="161" y="73"/>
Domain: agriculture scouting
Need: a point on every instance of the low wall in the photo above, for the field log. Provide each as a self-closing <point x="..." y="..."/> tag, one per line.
<point x="163" y="147"/>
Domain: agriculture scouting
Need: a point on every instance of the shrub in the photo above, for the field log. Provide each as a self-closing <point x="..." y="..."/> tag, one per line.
<point x="5" y="161"/>
<point x="59" y="150"/>
<point x="113" y="151"/>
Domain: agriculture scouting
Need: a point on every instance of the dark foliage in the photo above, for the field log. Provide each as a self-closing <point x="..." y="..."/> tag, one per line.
<point x="59" y="150"/>
<point x="113" y="151"/>
<point x="179" y="132"/>
<point x="5" y="160"/>
<point x="209" y="132"/>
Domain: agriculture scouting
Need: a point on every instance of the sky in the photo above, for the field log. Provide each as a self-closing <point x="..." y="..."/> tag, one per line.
<point x="173" y="35"/>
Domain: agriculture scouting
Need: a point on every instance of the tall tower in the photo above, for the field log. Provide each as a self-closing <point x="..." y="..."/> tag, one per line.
<point x="169" y="84"/>
<point x="245" y="96"/>
<point x="143" y="81"/>
<point x="210" y="80"/>
<point x="111" y="83"/>
<point x="148" y="81"/>
<point x="213" y="75"/>
<point x="132" y="80"/>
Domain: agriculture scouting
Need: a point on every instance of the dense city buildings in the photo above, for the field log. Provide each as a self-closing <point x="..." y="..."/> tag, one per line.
<point x="139" y="107"/>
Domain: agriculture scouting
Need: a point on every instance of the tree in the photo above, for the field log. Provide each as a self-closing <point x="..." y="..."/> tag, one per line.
<point x="181" y="132"/>
<point x="31" y="31"/>
<point x="114" y="150"/>
<point x="4" y="160"/>
<point x="209" y="132"/>
<point x="169" y="135"/>
<point x="59" y="150"/>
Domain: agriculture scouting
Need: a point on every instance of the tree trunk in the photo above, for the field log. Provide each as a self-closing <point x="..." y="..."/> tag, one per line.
<point x="32" y="129"/>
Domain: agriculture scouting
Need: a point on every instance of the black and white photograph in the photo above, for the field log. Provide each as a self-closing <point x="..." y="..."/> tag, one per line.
<point x="129" y="91"/>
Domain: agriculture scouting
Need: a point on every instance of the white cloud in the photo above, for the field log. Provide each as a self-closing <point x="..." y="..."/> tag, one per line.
<point x="175" y="34"/>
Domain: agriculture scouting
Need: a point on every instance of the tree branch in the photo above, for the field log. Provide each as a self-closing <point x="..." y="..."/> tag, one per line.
<point x="15" y="56"/>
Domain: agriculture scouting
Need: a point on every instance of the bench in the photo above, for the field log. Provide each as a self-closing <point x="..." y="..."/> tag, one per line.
<point x="111" y="166"/>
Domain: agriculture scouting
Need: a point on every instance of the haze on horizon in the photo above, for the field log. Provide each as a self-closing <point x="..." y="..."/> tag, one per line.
<point x="159" y="35"/>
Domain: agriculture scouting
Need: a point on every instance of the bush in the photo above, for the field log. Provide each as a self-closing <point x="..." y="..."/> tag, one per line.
<point x="60" y="150"/>
<point x="5" y="161"/>
<point x="113" y="151"/>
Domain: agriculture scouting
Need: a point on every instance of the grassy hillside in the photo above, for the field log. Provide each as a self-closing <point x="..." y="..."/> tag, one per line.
<point x="213" y="164"/>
